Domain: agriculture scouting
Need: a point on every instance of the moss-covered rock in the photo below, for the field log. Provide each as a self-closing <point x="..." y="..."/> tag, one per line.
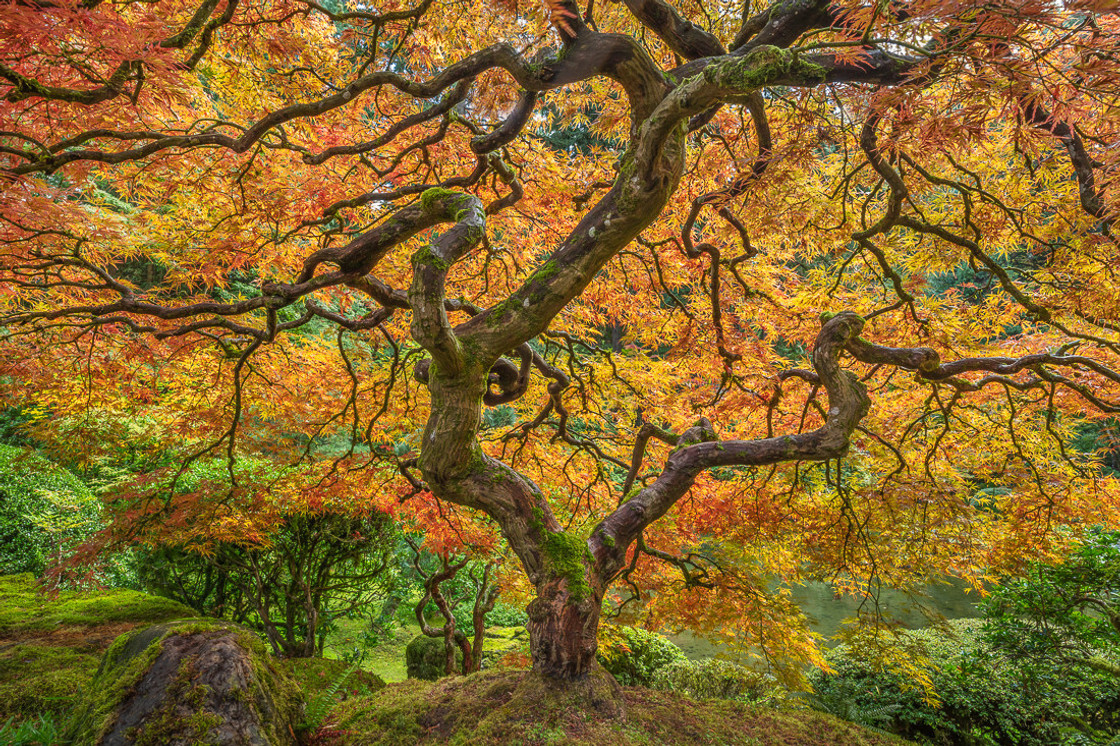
<point x="24" y="609"/>
<point x="188" y="683"/>
<point x="426" y="658"/>
<point x="503" y="708"/>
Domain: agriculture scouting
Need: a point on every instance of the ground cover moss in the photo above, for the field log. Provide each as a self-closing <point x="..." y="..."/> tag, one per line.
<point x="51" y="646"/>
<point x="24" y="609"/>
<point x="39" y="680"/>
<point x="314" y="675"/>
<point x="493" y="708"/>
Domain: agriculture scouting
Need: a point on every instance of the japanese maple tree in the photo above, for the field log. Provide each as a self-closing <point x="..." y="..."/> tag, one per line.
<point x="691" y="294"/>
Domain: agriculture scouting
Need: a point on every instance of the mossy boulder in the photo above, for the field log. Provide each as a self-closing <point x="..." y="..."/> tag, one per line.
<point x="426" y="658"/>
<point x="25" y="610"/>
<point x="188" y="683"/>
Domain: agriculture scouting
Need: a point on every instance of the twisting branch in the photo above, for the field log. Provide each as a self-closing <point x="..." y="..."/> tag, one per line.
<point x="699" y="448"/>
<point x="680" y="35"/>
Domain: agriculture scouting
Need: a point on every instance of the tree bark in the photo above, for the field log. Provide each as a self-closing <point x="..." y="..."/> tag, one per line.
<point x="563" y="628"/>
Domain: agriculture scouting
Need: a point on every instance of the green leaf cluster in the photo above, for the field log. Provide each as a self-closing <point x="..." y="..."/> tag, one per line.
<point x="712" y="678"/>
<point x="634" y="655"/>
<point x="45" y="511"/>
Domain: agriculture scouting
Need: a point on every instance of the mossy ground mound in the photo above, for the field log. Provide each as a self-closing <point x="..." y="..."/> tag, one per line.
<point x="502" y="708"/>
<point x="50" y="646"/>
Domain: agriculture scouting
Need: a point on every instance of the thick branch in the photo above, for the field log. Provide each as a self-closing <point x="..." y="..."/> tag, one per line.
<point x="679" y="34"/>
<point x="700" y="450"/>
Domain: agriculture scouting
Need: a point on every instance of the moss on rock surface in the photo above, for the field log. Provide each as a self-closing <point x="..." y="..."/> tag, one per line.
<point x="502" y="708"/>
<point x="188" y="683"/>
<point x="426" y="658"/>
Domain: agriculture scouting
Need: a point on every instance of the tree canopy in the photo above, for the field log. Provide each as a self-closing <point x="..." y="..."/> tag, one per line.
<point x="672" y="298"/>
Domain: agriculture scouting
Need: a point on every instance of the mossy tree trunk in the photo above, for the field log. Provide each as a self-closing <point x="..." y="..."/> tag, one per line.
<point x="468" y="368"/>
<point x="563" y="628"/>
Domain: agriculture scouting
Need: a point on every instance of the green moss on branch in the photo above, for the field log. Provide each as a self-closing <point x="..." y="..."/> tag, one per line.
<point x="567" y="556"/>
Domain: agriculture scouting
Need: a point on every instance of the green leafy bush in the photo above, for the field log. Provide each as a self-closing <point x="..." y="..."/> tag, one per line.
<point x="426" y="658"/>
<point x="634" y="655"/>
<point x="1064" y="614"/>
<point x="1058" y="626"/>
<point x="45" y="511"/>
<point x="979" y="698"/>
<point x="505" y="615"/>
<point x="13" y="423"/>
<point x="713" y="679"/>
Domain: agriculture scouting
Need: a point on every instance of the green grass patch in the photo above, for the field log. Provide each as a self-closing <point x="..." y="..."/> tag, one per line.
<point x="44" y="730"/>
<point x="387" y="659"/>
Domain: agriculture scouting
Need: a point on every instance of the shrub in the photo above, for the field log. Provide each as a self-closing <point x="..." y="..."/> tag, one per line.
<point x="980" y="698"/>
<point x="634" y="655"/>
<point x="713" y="679"/>
<point x="45" y="511"/>
<point x="506" y="615"/>
<point x="1058" y="627"/>
<point x="426" y="658"/>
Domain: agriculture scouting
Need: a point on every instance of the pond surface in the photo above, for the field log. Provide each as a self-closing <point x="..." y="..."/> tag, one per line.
<point x="827" y="611"/>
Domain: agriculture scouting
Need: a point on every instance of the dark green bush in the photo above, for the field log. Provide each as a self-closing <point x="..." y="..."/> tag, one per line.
<point x="426" y="658"/>
<point x="982" y="700"/>
<point x="634" y="655"/>
<point x="1058" y="626"/>
<point x="713" y="679"/>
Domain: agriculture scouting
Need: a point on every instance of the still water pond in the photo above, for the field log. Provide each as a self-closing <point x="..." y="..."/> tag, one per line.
<point x="827" y="611"/>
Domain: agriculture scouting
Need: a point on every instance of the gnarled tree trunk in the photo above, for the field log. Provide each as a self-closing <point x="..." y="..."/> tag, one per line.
<point x="563" y="626"/>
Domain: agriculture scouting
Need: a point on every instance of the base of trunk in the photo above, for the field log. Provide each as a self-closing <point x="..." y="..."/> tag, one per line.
<point x="597" y="693"/>
<point x="563" y="631"/>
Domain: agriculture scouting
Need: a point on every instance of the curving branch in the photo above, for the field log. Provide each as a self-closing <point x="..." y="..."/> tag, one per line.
<point x="680" y="35"/>
<point x="698" y="448"/>
<point x="781" y="24"/>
